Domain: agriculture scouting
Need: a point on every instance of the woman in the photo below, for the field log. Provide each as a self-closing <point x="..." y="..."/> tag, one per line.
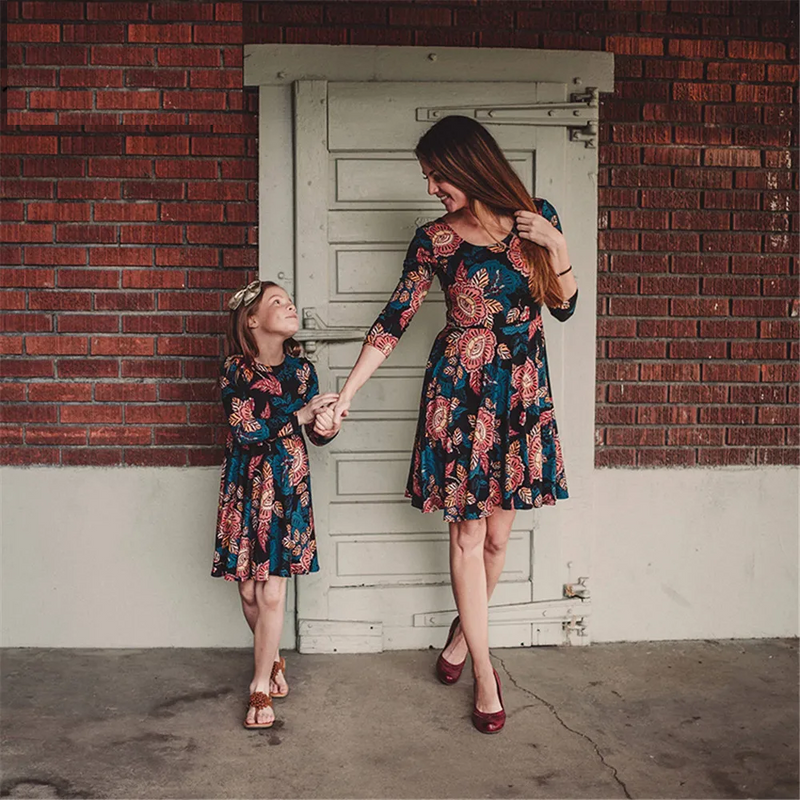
<point x="486" y="442"/>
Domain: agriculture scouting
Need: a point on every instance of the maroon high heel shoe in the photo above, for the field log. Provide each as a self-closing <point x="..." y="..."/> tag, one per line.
<point x="490" y="721"/>
<point x="449" y="673"/>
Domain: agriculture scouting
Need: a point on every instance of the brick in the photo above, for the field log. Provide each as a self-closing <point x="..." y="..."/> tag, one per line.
<point x="734" y="72"/>
<point x="91" y="457"/>
<point x="668" y="285"/>
<point x="158" y="233"/>
<point x="240" y="258"/>
<point x="218" y="146"/>
<point x="703" y="179"/>
<point x="763" y="51"/>
<point x="25" y="232"/>
<point x="609" y="457"/>
<point x="763" y="180"/>
<point x="155" y="457"/>
<point x="775" y="350"/>
<point x="106" y="33"/>
<point x="237" y="169"/>
<point x="763" y="221"/>
<point x="786" y="373"/>
<point x="652" y="220"/>
<point x="124" y="301"/>
<point x="188" y="57"/>
<point x="728" y="456"/>
<point x="727" y="415"/>
<point x="732" y="242"/>
<point x="148" y="414"/>
<point x="28" y="413"/>
<point x="785" y="456"/>
<point x="95" y="413"/>
<point x="84" y="76"/>
<point x="157" y="145"/>
<point x="698" y="394"/>
<point x="168" y="33"/>
<point x="26" y="323"/>
<point x="122" y="345"/>
<point x="695" y="437"/>
<point x="669" y="372"/>
<point x="88" y="190"/>
<point x="217" y="190"/>
<point x="635" y="437"/>
<point x="193" y="169"/>
<point x="123" y="436"/>
<point x="694" y="307"/>
<point x="215" y="234"/>
<point x="128" y="99"/>
<point x="751" y="93"/>
<point x="91" y="145"/>
<point x="638" y="306"/>
<point x="192" y="212"/>
<point x="728" y="329"/>
<point x="27" y="368"/>
<point x="729" y="372"/>
<point x="780" y="73"/>
<point x="636" y="45"/>
<point x="666" y="328"/>
<point x="153" y="190"/>
<point x="119" y="168"/>
<point x="12" y="301"/>
<point x="728" y="157"/>
<point x="19" y="456"/>
<point x="51" y="435"/>
<point x="124" y="55"/>
<point x="706" y="220"/>
<point x="727" y="27"/>
<point x="702" y="134"/>
<point x="779" y="415"/>
<point x="184" y="11"/>
<point x="637" y="176"/>
<point x="217" y="34"/>
<point x="125" y="392"/>
<point x="759" y="436"/>
<point x="699" y="264"/>
<point x="671" y="242"/>
<point x="702" y="92"/>
<point x="730" y="115"/>
<point x="88" y="323"/>
<point x="153" y="323"/>
<point x="162" y="78"/>
<point x="32" y="32"/>
<point x="188" y="346"/>
<point x="216" y="79"/>
<point x="615" y="415"/>
<point x="59" y="212"/>
<point x="102" y="234"/>
<point x="149" y="368"/>
<point x="87" y="368"/>
<point x="88" y="278"/>
<point x="677" y="69"/>
<point x="665" y="457"/>
<point x="697" y="48"/>
<point x="758" y="394"/>
<point x="698" y="349"/>
<point x="638" y="349"/>
<point x="712" y="199"/>
<point x="186" y="257"/>
<point x="58" y="166"/>
<point x="11" y="345"/>
<point x="120" y="256"/>
<point x="670" y="199"/>
<point x="30" y="76"/>
<point x="207" y="323"/>
<point x="125" y="212"/>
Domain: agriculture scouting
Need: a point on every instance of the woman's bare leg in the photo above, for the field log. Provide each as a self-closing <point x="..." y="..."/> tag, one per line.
<point x="498" y="531"/>
<point x="247" y="594"/>
<point x="468" y="575"/>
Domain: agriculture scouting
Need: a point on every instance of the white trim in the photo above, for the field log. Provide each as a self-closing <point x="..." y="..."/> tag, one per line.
<point x="282" y="64"/>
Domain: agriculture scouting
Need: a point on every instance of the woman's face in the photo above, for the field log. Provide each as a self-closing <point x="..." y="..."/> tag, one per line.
<point x="275" y="313"/>
<point x="452" y="198"/>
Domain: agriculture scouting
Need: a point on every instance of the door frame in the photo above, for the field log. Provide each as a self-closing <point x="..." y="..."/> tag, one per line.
<point x="566" y="532"/>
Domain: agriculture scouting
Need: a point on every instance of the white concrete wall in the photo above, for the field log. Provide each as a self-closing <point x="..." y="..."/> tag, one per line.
<point x="97" y="557"/>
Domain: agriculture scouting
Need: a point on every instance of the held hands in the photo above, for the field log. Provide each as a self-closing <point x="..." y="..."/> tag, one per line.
<point x="308" y="413"/>
<point x="324" y="424"/>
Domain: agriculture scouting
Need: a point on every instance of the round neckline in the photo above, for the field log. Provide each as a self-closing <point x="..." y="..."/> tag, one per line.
<point x="474" y="244"/>
<point x="270" y="367"/>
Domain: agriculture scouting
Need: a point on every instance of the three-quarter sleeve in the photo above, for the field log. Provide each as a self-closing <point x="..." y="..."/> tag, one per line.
<point x="239" y="403"/>
<point x="563" y="312"/>
<point x="313" y="391"/>
<point x="407" y="297"/>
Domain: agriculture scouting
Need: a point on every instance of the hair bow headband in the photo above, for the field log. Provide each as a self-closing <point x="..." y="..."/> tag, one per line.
<point x="246" y="295"/>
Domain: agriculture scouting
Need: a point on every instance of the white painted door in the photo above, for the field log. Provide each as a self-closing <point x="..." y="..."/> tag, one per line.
<point x="359" y="195"/>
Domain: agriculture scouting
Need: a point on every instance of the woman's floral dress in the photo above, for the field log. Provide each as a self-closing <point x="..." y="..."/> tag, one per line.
<point x="487" y="435"/>
<point x="265" y="525"/>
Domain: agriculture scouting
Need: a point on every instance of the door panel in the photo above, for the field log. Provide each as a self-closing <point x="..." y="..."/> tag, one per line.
<point x="382" y="561"/>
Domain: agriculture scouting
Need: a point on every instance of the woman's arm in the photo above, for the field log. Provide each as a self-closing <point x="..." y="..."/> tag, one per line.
<point x="393" y="320"/>
<point x="545" y="230"/>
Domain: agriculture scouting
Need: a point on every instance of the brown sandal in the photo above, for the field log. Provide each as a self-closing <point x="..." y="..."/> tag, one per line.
<point x="258" y="700"/>
<point x="279" y="666"/>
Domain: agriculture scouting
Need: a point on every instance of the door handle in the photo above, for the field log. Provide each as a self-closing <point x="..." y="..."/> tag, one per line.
<point x="315" y="332"/>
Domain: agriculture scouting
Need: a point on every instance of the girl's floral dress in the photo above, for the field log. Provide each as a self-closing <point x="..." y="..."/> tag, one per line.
<point x="487" y="435"/>
<point x="265" y="525"/>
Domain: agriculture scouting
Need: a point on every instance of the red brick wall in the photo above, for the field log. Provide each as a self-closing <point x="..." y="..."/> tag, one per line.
<point x="129" y="202"/>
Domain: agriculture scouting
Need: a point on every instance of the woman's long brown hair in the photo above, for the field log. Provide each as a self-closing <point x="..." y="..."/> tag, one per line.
<point x="465" y="154"/>
<point x="239" y="337"/>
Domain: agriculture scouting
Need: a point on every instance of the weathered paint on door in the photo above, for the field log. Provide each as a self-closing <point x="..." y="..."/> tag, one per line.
<point x="359" y="195"/>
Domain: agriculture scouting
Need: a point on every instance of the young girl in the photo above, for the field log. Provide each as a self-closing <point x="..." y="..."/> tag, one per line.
<point x="265" y="526"/>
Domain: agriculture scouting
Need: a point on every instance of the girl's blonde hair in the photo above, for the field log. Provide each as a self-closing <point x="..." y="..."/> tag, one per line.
<point x="239" y="336"/>
<point x="465" y="154"/>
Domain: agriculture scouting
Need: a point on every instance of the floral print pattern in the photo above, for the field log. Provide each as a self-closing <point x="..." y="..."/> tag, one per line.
<point x="265" y="524"/>
<point x="487" y="436"/>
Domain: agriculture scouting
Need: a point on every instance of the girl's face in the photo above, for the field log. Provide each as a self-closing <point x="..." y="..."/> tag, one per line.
<point x="452" y="198"/>
<point x="275" y="314"/>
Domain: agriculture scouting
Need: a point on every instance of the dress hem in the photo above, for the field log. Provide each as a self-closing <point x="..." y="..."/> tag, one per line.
<point x="417" y="502"/>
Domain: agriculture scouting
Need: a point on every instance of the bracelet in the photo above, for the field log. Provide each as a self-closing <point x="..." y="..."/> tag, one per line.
<point x="559" y="274"/>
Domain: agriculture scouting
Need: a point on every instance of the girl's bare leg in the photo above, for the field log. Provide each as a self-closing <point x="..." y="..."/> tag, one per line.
<point x="498" y="531"/>
<point x="270" y="599"/>
<point x="468" y="575"/>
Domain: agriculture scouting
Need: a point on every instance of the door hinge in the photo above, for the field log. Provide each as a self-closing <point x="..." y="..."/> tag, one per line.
<point x="580" y="114"/>
<point x="315" y="332"/>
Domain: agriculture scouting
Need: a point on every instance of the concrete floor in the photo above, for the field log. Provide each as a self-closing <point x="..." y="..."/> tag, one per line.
<point x="670" y="719"/>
